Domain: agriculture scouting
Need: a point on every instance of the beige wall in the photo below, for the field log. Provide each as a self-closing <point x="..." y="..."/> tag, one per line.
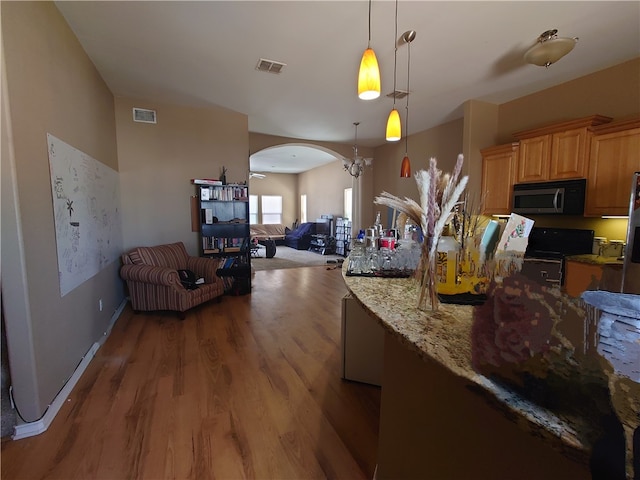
<point x="284" y="184"/>
<point x="324" y="187"/>
<point x="613" y="92"/>
<point x="51" y="87"/>
<point x="443" y="142"/>
<point x="158" y="161"/>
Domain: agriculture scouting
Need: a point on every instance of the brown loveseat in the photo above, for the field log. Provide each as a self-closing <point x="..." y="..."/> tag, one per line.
<point x="268" y="231"/>
<point x="152" y="278"/>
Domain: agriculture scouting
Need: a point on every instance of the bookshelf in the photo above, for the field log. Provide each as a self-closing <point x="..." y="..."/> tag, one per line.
<point x="224" y="232"/>
<point x="343" y="236"/>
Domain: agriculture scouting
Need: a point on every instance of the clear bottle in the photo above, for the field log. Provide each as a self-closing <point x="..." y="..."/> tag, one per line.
<point x="378" y="225"/>
<point x="448" y="251"/>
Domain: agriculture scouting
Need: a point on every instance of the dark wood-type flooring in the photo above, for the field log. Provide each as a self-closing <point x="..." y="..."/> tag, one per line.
<point x="246" y="388"/>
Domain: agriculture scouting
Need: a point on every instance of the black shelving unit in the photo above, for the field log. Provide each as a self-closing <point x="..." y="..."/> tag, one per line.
<point x="343" y="236"/>
<point x="224" y="232"/>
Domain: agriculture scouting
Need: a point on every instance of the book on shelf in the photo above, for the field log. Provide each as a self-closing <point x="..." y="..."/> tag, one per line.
<point x="207" y="215"/>
<point x="232" y="249"/>
<point x="211" y="250"/>
<point x="206" y="181"/>
<point x="205" y="193"/>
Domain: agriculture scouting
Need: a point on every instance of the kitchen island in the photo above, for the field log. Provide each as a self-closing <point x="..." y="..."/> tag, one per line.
<point x="510" y="389"/>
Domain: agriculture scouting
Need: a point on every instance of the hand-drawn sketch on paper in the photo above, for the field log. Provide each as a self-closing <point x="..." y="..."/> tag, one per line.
<point x="86" y="206"/>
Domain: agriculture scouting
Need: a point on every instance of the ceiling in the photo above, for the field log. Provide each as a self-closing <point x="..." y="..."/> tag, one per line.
<point x="205" y="53"/>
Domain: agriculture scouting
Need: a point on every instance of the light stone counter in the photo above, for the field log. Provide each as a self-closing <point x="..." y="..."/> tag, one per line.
<point x="447" y="337"/>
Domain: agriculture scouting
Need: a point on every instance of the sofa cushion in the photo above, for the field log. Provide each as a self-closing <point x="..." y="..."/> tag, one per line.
<point x="172" y="255"/>
<point x="267" y="230"/>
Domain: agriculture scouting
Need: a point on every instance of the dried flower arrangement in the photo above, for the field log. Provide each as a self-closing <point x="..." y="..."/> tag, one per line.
<point x="439" y="195"/>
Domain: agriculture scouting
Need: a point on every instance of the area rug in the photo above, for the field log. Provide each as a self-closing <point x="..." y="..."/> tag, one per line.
<point x="287" y="257"/>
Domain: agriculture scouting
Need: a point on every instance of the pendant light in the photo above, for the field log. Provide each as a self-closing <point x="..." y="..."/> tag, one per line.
<point x="369" y="74"/>
<point x="394" y="129"/>
<point x="405" y="168"/>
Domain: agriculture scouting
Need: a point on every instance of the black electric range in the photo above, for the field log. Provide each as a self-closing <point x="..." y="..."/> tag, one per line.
<point x="547" y="249"/>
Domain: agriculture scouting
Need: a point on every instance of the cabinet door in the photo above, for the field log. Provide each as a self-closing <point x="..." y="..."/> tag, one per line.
<point x="533" y="159"/>
<point x="614" y="157"/>
<point x="569" y="157"/>
<point x="498" y="175"/>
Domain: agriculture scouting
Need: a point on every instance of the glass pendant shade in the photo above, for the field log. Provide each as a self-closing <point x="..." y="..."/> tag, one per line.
<point x="394" y="129"/>
<point x="405" y="168"/>
<point x="369" y="76"/>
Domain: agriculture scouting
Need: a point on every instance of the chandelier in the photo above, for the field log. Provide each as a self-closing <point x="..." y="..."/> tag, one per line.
<point x="355" y="166"/>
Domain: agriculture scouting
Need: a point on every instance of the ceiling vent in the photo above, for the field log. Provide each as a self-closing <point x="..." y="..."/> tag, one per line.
<point x="270" y="66"/>
<point x="398" y="94"/>
<point x="143" y="115"/>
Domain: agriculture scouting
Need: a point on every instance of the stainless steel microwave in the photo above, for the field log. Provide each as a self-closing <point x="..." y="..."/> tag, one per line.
<point x="564" y="197"/>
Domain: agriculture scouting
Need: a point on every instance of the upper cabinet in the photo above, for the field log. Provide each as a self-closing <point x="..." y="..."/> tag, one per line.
<point x="498" y="176"/>
<point x="614" y="156"/>
<point x="556" y="152"/>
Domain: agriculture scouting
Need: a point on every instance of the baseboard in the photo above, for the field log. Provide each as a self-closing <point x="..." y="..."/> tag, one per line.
<point x="31" y="429"/>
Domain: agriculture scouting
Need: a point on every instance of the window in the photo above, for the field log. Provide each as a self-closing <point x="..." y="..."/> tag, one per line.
<point x="348" y="203"/>
<point x="303" y="208"/>
<point x="253" y="209"/>
<point x="271" y="209"/>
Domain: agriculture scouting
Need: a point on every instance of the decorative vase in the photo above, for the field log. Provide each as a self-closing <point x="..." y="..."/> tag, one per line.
<point x="426" y="275"/>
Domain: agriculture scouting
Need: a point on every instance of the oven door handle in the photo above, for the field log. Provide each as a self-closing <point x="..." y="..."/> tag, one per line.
<point x="555" y="200"/>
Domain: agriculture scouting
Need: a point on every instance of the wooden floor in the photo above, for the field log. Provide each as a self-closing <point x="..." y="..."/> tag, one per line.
<point x="246" y="388"/>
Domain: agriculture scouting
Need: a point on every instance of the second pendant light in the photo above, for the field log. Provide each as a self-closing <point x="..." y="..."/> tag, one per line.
<point x="394" y="128"/>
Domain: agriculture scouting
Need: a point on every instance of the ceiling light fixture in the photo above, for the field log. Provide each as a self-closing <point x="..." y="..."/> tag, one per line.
<point x="405" y="168"/>
<point x="394" y="128"/>
<point x="549" y="48"/>
<point x="355" y="166"/>
<point x="369" y="74"/>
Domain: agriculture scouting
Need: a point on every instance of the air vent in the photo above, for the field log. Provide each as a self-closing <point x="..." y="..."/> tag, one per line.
<point x="270" y="66"/>
<point x="398" y="94"/>
<point x="143" y="115"/>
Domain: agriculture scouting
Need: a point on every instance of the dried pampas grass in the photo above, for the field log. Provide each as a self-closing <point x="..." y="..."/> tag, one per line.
<point x="439" y="194"/>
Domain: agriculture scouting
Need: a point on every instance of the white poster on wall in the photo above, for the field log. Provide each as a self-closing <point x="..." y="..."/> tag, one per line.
<point x="86" y="206"/>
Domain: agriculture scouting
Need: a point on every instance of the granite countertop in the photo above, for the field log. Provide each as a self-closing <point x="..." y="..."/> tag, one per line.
<point x="550" y="340"/>
<point x="595" y="259"/>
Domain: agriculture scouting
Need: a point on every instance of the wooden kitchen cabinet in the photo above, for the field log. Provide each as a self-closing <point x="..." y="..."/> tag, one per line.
<point x="599" y="273"/>
<point x="615" y="155"/>
<point x="556" y="152"/>
<point x="498" y="177"/>
<point x="533" y="159"/>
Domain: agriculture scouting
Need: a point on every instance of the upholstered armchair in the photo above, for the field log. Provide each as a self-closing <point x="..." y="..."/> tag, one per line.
<point x="152" y="278"/>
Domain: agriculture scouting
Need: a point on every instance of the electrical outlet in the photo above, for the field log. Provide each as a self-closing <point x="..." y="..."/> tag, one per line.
<point x="100" y="304"/>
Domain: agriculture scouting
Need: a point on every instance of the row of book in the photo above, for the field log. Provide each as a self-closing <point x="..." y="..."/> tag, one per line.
<point x="224" y="244"/>
<point x="206" y="181"/>
<point x="225" y="193"/>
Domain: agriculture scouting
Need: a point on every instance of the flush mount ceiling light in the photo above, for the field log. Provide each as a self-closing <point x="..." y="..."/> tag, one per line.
<point x="405" y="168"/>
<point x="355" y="166"/>
<point x="549" y="48"/>
<point x="369" y="74"/>
<point x="394" y="128"/>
